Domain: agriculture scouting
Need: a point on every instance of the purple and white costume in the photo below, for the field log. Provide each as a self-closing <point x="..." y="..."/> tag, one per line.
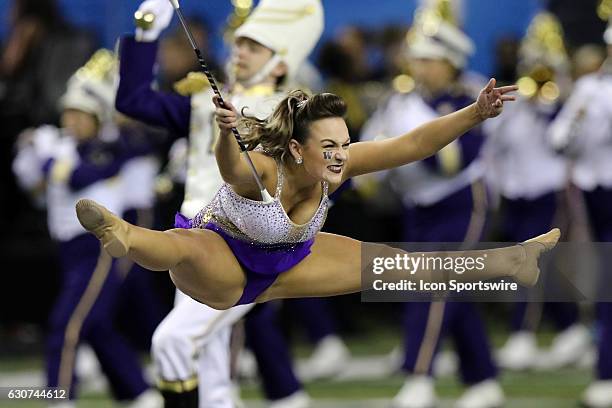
<point x="443" y="202"/>
<point x="261" y="235"/>
<point x="583" y="127"/>
<point x="91" y="281"/>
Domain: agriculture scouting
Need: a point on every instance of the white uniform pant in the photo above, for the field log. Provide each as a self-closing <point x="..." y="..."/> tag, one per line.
<point x="194" y="339"/>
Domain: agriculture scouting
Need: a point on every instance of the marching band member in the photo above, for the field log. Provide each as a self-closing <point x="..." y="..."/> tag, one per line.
<point x="444" y="201"/>
<point x="583" y="128"/>
<point x="71" y="163"/>
<point x="268" y="49"/>
<point x="529" y="175"/>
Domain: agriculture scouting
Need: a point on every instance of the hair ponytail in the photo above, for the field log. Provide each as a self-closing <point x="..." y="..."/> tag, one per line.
<point x="290" y="120"/>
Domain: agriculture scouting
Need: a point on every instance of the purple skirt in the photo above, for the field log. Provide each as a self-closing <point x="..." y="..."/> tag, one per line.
<point x="262" y="264"/>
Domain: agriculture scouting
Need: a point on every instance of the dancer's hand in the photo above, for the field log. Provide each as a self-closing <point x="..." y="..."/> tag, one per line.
<point x="490" y="102"/>
<point x="227" y="117"/>
<point x="163" y="11"/>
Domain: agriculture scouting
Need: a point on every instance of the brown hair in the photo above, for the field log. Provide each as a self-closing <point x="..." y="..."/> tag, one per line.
<point x="291" y="119"/>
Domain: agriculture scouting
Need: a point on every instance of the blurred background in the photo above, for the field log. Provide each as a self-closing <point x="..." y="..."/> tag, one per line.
<point x="485" y="22"/>
<point x="361" y="56"/>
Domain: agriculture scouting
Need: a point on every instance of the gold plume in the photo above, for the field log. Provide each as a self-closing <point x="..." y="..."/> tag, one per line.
<point x="604" y="10"/>
<point x="543" y="58"/>
<point x="242" y="10"/>
<point x="543" y="45"/>
<point x="102" y="66"/>
<point x="428" y="17"/>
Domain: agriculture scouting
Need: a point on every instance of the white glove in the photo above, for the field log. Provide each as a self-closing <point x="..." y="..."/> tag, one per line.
<point x="45" y="141"/>
<point x="27" y="168"/>
<point x="163" y="11"/>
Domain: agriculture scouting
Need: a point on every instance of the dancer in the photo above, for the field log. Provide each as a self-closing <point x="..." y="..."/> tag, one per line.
<point x="191" y="346"/>
<point x="240" y="250"/>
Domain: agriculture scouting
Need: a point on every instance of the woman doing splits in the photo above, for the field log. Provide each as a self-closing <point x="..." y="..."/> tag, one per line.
<point x="273" y="250"/>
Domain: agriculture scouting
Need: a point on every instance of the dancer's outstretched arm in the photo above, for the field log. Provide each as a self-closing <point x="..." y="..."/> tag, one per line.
<point x="426" y="140"/>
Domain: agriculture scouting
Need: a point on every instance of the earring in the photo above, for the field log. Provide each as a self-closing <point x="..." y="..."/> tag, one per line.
<point x="298" y="160"/>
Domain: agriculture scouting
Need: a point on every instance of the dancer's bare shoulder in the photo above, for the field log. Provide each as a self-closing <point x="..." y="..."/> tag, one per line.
<point x="266" y="168"/>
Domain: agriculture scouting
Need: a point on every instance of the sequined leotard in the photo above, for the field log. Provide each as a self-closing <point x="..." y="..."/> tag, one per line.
<point x="264" y="240"/>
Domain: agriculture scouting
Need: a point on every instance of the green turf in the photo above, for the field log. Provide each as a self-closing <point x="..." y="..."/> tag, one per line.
<point x="558" y="384"/>
<point x="558" y="389"/>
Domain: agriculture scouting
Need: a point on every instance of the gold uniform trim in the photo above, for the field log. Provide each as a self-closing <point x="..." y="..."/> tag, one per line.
<point x="479" y="215"/>
<point x="61" y="170"/>
<point x="73" y="329"/>
<point x="179" y="386"/>
<point x="430" y="338"/>
<point x="193" y="83"/>
<point x="450" y="158"/>
<point x="259" y="90"/>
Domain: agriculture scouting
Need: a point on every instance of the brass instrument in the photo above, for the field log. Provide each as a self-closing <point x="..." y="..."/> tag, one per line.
<point x="543" y="57"/>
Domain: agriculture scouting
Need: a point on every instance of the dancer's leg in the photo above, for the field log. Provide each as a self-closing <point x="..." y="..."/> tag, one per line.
<point x="154" y="250"/>
<point x="334" y="266"/>
<point x="194" y="257"/>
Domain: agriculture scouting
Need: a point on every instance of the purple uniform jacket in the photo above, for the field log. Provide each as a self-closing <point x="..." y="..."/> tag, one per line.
<point x="136" y="98"/>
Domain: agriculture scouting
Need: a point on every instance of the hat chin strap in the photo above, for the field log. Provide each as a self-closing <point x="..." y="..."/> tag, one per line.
<point x="263" y="73"/>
